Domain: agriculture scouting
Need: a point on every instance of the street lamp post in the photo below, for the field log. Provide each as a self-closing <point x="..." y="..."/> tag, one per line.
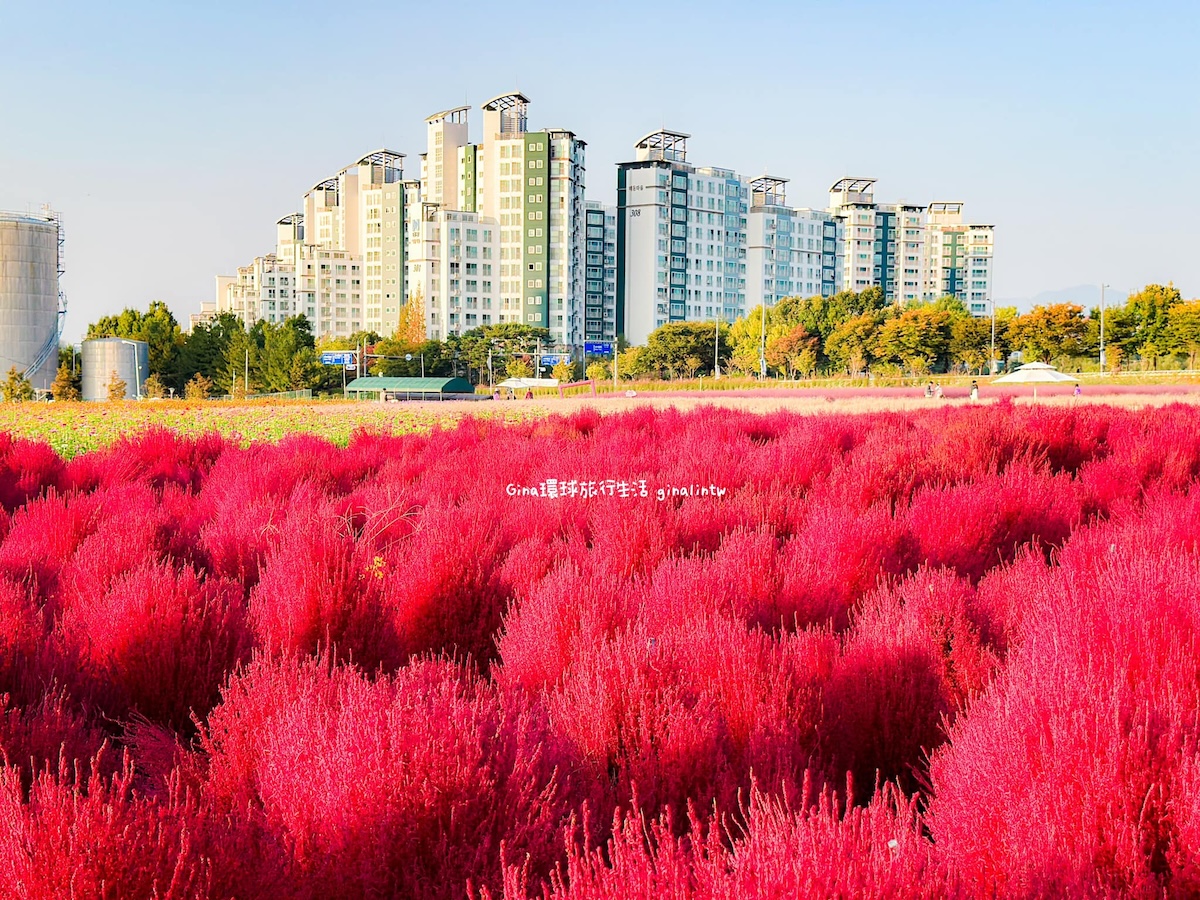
<point x="992" y="357"/>
<point x="1102" y="355"/>
<point x="717" y="348"/>
<point x="762" y="351"/>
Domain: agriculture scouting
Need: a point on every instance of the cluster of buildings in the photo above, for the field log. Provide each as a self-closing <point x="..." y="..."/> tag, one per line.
<point x="500" y="230"/>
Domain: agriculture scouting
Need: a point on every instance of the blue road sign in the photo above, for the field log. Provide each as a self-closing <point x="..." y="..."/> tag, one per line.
<point x="550" y="359"/>
<point x="598" y="348"/>
<point x="338" y="358"/>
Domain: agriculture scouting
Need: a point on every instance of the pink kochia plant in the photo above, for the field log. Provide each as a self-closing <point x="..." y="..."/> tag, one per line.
<point x="953" y="653"/>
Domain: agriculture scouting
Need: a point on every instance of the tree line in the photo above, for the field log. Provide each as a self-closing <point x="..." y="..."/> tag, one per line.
<point x="852" y="333"/>
<point x="849" y="333"/>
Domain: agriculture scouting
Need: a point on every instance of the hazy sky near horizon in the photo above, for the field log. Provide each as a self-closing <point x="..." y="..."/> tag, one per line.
<point x="171" y="137"/>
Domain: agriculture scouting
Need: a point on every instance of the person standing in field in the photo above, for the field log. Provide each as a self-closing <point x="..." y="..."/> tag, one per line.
<point x="974" y="391"/>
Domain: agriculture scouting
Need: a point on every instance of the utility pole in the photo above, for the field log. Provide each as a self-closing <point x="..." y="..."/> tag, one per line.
<point x="762" y="352"/>
<point x="246" y="378"/>
<point x="717" y="349"/>
<point x="992" y="358"/>
<point x="1102" y="360"/>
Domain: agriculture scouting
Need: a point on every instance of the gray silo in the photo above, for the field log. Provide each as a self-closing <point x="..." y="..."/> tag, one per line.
<point x="103" y="356"/>
<point x="29" y="296"/>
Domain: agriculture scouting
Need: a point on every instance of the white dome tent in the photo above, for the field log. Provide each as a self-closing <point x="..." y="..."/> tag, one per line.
<point x="1035" y="373"/>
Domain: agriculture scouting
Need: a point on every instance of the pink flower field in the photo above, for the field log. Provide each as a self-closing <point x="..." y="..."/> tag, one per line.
<point x="652" y="654"/>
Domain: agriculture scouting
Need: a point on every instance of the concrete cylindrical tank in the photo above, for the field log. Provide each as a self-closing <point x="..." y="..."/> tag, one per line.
<point x="29" y="296"/>
<point x="130" y="360"/>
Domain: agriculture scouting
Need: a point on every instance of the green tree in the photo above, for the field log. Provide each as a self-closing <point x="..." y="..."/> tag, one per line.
<point x="1050" y="332"/>
<point x="669" y="346"/>
<point x="157" y="327"/>
<point x="16" y="388"/>
<point x="849" y="346"/>
<point x="285" y="360"/>
<point x="821" y="316"/>
<point x="306" y="370"/>
<point x="785" y="349"/>
<point x="117" y="387"/>
<point x="1183" y="331"/>
<point x="240" y="358"/>
<point x="204" y="350"/>
<point x="66" y="385"/>
<point x="918" y="338"/>
<point x="598" y="371"/>
<point x="804" y="362"/>
<point x="631" y="363"/>
<point x="1150" y="310"/>
<point x="518" y="368"/>
<point x="971" y="342"/>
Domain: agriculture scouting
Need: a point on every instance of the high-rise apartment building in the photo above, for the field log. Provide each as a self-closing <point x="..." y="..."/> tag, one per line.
<point x="340" y="263"/>
<point x="958" y="258"/>
<point x="526" y="189"/>
<point x="702" y="243"/>
<point x="882" y="244"/>
<point x="912" y="252"/>
<point x="600" y="288"/>
<point x="681" y="239"/>
<point x="789" y="251"/>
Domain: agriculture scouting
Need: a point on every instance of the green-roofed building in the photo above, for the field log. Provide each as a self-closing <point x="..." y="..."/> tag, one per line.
<point x="383" y="388"/>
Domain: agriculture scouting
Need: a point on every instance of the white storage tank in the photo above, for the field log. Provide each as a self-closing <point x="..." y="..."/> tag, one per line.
<point x="29" y="297"/>
<point x="130" y="360"/>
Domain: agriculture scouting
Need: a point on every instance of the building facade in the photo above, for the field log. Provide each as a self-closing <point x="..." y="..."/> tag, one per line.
<point x="703" y="243"/>
<point x="959" y="258"/>
<point x="912" y="252"/>
<point x="340" y="262"/>
<point x="681" y="239"/>
<point x="600" y="288"/>
<point x="524" y="188"/>
<point x="882" y="244"/>
<point x="789" y="252"/>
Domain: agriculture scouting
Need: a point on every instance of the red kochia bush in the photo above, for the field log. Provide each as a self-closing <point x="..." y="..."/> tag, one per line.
<point x="911" y="660"/>
<point x="159" y="642"/>
<point x="904" y="655"/>
<point x="826" y="849"/>
<point x="405" y="786"/>
<point x="96" y="839"/>
<point x="1065" y="777"/>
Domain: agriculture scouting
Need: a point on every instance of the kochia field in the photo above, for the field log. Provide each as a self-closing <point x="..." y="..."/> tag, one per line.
<point x="952" y="653"/>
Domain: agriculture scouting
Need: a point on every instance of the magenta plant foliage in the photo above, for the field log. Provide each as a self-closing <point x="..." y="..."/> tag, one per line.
<point x="938" y="654"/>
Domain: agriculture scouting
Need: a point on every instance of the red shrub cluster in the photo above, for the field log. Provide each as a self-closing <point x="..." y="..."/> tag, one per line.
<point x="953" y="653"/>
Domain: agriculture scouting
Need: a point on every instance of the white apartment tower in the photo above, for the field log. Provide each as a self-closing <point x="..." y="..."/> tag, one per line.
<point x="912" y="252"/>
<point x="958" y="258"/>
<point x="702" y="243"/>
<point x="340" y="263"/>
<point x="882" y="245"/>
<point x="789" y="251"/>
<point x="524" y="190"/>
<point x="681" y="239"/>
<point x="600" y="289"/>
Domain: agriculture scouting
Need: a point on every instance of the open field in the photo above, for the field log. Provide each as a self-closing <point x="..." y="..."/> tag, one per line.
<point x="76" y="428"/>
<point x="709" y="654"/>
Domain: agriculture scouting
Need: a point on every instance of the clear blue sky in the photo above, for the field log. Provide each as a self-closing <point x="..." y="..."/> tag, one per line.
<point x="172" y="136"/>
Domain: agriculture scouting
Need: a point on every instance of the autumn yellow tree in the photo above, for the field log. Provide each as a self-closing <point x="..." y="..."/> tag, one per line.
<point x="411" y="329"/>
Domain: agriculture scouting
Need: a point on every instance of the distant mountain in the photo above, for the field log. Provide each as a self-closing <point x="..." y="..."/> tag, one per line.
<point x="1086" y="295"/>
